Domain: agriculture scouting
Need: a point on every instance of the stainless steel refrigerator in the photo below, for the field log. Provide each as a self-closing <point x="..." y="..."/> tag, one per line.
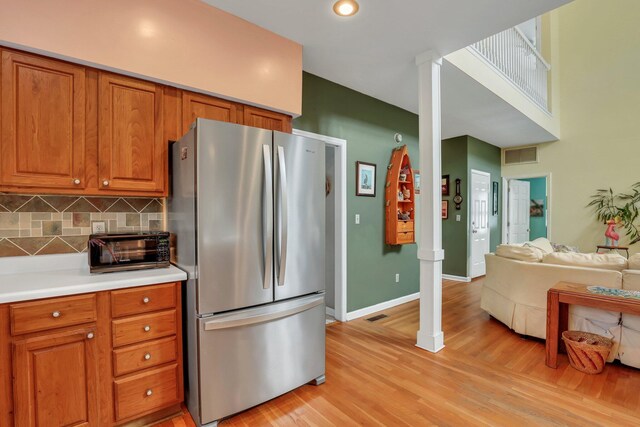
<point x="247" y="209"/>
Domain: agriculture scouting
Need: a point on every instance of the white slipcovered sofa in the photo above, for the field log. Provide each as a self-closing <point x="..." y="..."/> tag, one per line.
<point x="518" y="277"/>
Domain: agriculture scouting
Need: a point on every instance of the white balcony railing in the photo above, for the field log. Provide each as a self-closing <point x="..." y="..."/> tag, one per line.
<point x="512" y="54"/>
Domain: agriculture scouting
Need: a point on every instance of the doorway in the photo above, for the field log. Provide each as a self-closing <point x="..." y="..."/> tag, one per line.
<point x="526" y="208"/>
<point x="336" y="224"/>
<point x="479" y="222"/>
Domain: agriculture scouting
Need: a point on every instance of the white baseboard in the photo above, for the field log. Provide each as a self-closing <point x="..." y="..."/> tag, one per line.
<point x="331" y="311"/>
<point x="456" y="278"/>
<point x="382" y="306"/>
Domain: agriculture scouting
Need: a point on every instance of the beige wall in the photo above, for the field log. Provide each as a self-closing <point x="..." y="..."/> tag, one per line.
<point x="182" y="42"/>
<point x="596" y="80"/>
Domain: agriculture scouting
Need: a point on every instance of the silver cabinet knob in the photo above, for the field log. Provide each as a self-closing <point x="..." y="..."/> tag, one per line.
<point x="147" y="356"/>
<point x="149" y="392"/>
<point x="90" y="335"/>
<point x="55" y="314"/>
<point x="105" y="183"/>
<point x="146" y="300"/>
<point x="76" y="181"/>
<point x="147" y="328"/>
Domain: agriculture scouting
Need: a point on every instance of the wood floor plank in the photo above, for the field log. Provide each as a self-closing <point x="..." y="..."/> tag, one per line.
<point x="486" y="375"/>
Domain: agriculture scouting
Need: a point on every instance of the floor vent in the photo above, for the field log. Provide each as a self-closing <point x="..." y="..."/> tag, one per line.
<point x="378" y="317"/>
<point x="521" y="155"/>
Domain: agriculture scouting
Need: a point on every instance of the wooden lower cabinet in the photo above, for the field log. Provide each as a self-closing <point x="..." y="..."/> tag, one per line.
<point x="82" y="374"/>
<point x="56" y="379"/>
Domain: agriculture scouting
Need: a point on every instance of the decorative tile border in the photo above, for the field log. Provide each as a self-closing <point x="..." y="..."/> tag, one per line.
<point x="39" y="225"/>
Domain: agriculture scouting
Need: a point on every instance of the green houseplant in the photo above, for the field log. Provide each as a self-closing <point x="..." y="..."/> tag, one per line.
<point x="620" y="207"/>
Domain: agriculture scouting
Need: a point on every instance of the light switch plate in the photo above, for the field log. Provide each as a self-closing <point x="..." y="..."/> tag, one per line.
<point x="458" y="217"/>
<point x="357" y="218"/>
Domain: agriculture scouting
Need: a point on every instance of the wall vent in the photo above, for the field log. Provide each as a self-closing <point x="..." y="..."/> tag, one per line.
<point x="520" y="155"/>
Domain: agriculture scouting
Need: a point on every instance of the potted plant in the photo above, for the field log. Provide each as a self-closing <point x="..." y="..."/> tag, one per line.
<point x="619" y="207"/>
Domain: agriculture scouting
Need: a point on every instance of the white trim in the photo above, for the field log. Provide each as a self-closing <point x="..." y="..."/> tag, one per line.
<point x="382" y="306"/>
<point x="456" y="278"/>
<point x="330" y="311"/>
<point x="340" y="188"/>
<point x="505" y="216"/>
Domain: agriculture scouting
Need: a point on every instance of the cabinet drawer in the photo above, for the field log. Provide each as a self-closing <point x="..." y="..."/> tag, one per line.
<point x="142" y="300"/>
<point x="132" y="330"/>
<point x="405" y="237"/>
<point x="405" y="226"/>
<point x="52" y="313"/>
<point x="146" y="355"/>
<point x="143" y="393"/>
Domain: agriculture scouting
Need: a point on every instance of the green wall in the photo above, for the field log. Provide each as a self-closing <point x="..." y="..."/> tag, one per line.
<point x="454" y="233"/>
<point x="459" y="156"/>
<point x="368" y="125"/>
<point x="538" y="191"/>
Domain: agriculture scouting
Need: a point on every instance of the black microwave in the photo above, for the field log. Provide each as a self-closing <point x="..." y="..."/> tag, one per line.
<point x="128" y="251"/>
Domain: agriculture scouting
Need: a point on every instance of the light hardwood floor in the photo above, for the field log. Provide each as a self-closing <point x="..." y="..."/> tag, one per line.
<point x="486" y="375"/>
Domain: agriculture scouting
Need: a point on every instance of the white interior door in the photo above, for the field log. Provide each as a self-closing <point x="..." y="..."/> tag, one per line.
<point x="479" y="215"/>
<point x="519" y="201"/>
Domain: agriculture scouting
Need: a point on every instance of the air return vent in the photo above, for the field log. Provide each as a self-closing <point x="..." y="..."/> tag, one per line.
<point x="516" y="156"/>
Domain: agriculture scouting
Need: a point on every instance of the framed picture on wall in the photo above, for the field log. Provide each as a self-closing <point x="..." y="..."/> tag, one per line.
<point x="365" y="179"/>
<point x="445" y="209"/>
<point x="495" y="198"/>
<point x="445" y="185"/>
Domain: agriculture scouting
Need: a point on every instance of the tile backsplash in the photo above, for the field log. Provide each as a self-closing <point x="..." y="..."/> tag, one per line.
<point x="40" y="225"/>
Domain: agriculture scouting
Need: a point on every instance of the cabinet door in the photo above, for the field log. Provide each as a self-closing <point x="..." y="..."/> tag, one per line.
<point x="43" y="123"/>
<point x="206" y="107"/>
<point x="55" y="379"/>
<point x="259" y="118"/>
<point x="132" y="153"/>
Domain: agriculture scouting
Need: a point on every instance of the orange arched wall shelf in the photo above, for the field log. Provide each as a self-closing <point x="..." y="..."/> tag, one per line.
<point x="400" y="199"/>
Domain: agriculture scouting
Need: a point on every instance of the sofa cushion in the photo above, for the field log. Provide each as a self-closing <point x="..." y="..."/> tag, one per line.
<point x="603" y="261"/>
<point x="520" y="253"/>
<point x="541" y="243"/>
<point x="634" y="262"/>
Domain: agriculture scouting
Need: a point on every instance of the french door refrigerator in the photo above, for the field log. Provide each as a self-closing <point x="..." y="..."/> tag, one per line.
<point x="247" y="211"/>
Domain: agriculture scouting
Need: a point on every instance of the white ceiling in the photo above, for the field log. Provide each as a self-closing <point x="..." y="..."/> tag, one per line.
<point x="374" y="51"/>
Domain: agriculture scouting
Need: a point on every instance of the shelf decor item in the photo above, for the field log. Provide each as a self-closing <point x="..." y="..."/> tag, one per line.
<point x="400" y="199"/>
<point x="365" y="179"/>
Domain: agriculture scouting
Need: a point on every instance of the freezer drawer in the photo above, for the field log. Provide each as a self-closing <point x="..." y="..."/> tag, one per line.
<point x="254" y="355"/>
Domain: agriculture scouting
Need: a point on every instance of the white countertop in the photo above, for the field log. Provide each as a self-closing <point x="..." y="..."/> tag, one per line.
<point x="45" y="276"/>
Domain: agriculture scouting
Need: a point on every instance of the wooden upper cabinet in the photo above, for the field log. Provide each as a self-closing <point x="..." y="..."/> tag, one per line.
<point x="42" y="123"/>
<point x="132" y="152"/>
<point x="260" y="118"/>
<point x="56" y="379"/>
<point x="206" y="107"/>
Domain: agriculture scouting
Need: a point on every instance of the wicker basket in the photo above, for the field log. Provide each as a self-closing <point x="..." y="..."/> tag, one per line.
<point x="587" y="352"/>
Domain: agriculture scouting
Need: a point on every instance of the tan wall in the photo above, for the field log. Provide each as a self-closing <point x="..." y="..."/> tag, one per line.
<point x="185" y="43"/>
<point x="596" y="80"/>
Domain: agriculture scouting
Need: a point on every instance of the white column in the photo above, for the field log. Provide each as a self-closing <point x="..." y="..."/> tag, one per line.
<point x="430" y="253"/>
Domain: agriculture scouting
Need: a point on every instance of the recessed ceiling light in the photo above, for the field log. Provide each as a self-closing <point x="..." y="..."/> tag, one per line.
<point x="346" y="7"/>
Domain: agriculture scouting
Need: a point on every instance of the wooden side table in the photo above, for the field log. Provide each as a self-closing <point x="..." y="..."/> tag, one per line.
<point x="558" y="299"/>
<point x="612" y="248"/>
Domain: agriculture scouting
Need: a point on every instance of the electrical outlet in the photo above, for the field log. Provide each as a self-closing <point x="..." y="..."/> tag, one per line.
<point x="357" y="218"/>
<point x="397" y="277"/>
<point x="458" y="218"/>
<point x="98" y="227"/>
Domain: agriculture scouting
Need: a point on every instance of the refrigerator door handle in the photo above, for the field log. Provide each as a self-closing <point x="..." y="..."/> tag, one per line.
<point x="267" y="226"/>
<point x="284" y="228"/>
<point x="290" y="309"/>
